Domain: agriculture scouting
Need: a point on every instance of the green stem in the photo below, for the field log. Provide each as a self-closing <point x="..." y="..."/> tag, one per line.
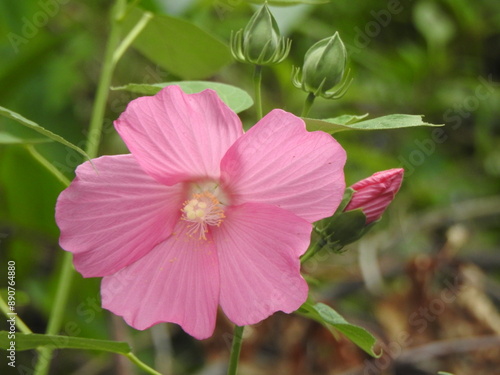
<point x="141" y="364"/>
<point x="128" y="40"/>
<point x="235" y="350"/>
<point x="57" y="313"/>
<point x="62" y="295"/>
<point x="313" y="250"/>
<point x="19" y="322"/>
<point x="63" y="286"/>
<point x="99" y="107"/>
<point x="38" y="157"/>
<point x="257" y="82"/>
<point x="308" y="104"/>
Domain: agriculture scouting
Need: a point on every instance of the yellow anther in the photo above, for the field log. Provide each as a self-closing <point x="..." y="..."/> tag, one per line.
<point x="202" y="210"/>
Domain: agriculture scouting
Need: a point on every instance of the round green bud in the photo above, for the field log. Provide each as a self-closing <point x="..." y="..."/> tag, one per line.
<point x="261" y="36"/>
<point x="324" y="65"/>
<point x="260" y="42"/>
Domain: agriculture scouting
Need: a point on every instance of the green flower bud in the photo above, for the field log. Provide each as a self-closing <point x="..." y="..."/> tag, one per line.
<point x="260" y="43"/>
<point x="361" y="207"/>
<point x="324" y="64"/>
<point x="323" y="69"/>
<point x="341" y="229"/>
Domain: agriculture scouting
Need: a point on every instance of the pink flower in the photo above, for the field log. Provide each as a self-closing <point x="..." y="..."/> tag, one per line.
<point x="375" y="193"/>
<point x="200" y="214"/>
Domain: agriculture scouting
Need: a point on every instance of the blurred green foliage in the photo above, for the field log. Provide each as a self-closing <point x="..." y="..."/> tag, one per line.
<point x="437" y="58"/>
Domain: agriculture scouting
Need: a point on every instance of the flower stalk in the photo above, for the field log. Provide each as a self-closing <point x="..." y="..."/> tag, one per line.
<point x="235" y="350"/>
<point x="64" y="285"/>
<point x="99" y="107"/>
<point x="308" y="104"/>
<point x="57" y="313"/>
<point x="257" y="82"/>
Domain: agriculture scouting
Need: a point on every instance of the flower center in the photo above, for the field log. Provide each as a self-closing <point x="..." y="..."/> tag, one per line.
<point x="202" y="210"/>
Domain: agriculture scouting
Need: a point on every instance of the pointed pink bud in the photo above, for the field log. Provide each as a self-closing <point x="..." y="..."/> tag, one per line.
<point x="375" y="193"/>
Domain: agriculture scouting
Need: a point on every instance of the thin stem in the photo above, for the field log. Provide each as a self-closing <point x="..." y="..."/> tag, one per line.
<point x="141" y="364"/>
<point x="19" y="322"/>
<point x="37" y="156"/>
<point x="63" y="286"/>
<point x="128" y="40"/>
<point x="235" y="350"/>
<point x="99" y="107"/>
<point x="257" y="82"/>
<point x="57" y="313"/>
<point x="308" y="104"/>
<point x="313" y="250"/>
<point x="62" y="294"/>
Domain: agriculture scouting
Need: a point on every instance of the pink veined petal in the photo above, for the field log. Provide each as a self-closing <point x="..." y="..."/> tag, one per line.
<point x="177" y="282"/>
<point x="259" y="248"/>
<point x="111" y="217"/>
<point x="176" y="136"/>
<point x="372" y="208"/>
<point x="389" y="179"/>
<point x="375" y="193"/>
<point x="278" y="162"/>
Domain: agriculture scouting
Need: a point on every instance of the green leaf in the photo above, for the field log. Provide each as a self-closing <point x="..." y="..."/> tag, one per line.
<point x="33" y="340"/>
<point x="348" y="119"/>
<point x="288" y="2"/>
<point x="34" y="126"/>
<point x="395" y="121"/>
<point x="179" y="46"/>
<point x="237" y="99"/>
<point x="328" y="317"/>
<point x="9" y="139"/>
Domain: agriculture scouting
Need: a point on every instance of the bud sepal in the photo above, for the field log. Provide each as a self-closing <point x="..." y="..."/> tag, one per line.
<point x="260" y="42"/>
<point x="360" y="209"/>
<point x="323" y="69"/>
<point x="344" y="227"/>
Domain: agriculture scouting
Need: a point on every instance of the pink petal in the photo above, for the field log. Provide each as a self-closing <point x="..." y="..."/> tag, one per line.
<point x="111" y="217"/>
<point x="177" y="282"/>
<point x="278" y="162"/>
<point x="176" y="136"/>
<point x="375" y="193"/>
<point x="259" y="248"/>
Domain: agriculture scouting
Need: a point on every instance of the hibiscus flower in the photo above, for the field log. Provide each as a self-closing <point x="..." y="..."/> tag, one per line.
<point x="200" y="214"/>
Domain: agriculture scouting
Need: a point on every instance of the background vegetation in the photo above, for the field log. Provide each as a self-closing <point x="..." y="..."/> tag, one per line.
<point x="425" y="281"/>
